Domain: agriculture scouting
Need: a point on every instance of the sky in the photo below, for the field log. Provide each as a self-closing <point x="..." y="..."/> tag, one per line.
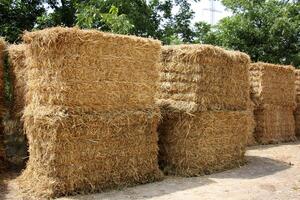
<point x="203" y="14"/>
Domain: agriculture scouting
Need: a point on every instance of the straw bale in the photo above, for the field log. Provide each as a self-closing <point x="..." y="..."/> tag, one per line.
<point x="16" y="55"/>
<point x="203" y="77"/>
<point x="274" y="124"/>
<point x="72" y="151"/>
<point x="297" y="85"/>
<point x="2" y="106"/>
<point x="297" y="111"/>
<point x="272" y="84"/>
<point x="204" y="142"/>
<point x="114" y="71"/>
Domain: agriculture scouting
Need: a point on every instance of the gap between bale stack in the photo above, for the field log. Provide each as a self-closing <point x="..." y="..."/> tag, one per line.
<point x="297" y="110"/>
<point x="2" y="106"/>
<point x="207" y="112"/>
<point x="273" y="92"/>
<point x="90" y="115"/>
<point x="15" y="139"/>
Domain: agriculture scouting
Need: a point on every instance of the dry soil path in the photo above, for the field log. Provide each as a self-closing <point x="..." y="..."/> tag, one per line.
<point x="272" y="172"/>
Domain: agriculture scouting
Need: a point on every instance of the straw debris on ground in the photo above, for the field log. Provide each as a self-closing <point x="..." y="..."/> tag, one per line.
<point x="273" y="92"/>
<point x="90" y="115"/>
<point x="207" y="112"/>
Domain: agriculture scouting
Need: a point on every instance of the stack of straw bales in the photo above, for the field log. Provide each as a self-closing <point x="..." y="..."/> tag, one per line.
<point x="207" y="118"/>
<point x="297" y="111"/>
<point x="16" y="140"/>
<point x="273" y="92"/>
<point x="90" y="115"/>
<point x="2" y="106"/>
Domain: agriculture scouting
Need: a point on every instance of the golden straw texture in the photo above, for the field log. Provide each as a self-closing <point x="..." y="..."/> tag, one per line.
<point x="274" y="124"/>
<point x="16" y="140"/>
<point x="272" y="84"/>
<point x="204" y="142"/>
<point x="205" y="100"/>
<point x="203" y="77"/>
<point x="90" y="115"/>
<point x="2" y="106"/>
<point x="75" y="152"/>
<point x="64" y="62"/>
<point x="297" y="111"/>
<point x="273" y="92"/>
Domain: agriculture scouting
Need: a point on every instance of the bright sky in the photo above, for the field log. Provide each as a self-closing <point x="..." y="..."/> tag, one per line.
<point x="203" y="14"/>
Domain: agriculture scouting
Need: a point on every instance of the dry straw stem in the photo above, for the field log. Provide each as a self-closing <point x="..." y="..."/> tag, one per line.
<point x="72" y="67"/>
<point x="204" y="77"/>
<point x="272" y="84"/>
<point x="72" y="151"/>
<point x="2" y="106"/>
<point x="204" y="142"/>
<point x="274" y="124"/>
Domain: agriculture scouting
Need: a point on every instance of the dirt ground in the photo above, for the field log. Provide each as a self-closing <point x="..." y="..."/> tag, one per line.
<point x="272" y="173"/>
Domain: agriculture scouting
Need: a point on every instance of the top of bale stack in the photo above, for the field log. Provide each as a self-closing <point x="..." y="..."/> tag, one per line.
<point x="204" y="77"/>
<point x="92" y="69"/>
<point x="272" y="84"/>
<point x="204" y="55"/>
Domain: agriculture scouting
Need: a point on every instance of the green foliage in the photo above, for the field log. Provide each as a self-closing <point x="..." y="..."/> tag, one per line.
<point x="90" y="16"/>
<point x="183" y="21"/>
<point x="17" y="16"/>
<point x="268" y="30"/>
<point x="62" y="14"/>
<point x="117" y="23"/>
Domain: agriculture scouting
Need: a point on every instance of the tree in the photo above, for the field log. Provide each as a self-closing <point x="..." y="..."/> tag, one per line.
<point x="62" y="13"/>
<point x="138" y="13"/>
<point x="268" y="30"/>
<point x="183" y="21"/>
<point x="112" y="21"/>
<point x="17" y="16"/>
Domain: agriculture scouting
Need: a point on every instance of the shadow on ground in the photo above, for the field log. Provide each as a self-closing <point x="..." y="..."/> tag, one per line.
<point x="5" y="177"/>
<point x="168" y="186"/>
<point x="258" y="147"/>
<point x="256" y="167"/>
